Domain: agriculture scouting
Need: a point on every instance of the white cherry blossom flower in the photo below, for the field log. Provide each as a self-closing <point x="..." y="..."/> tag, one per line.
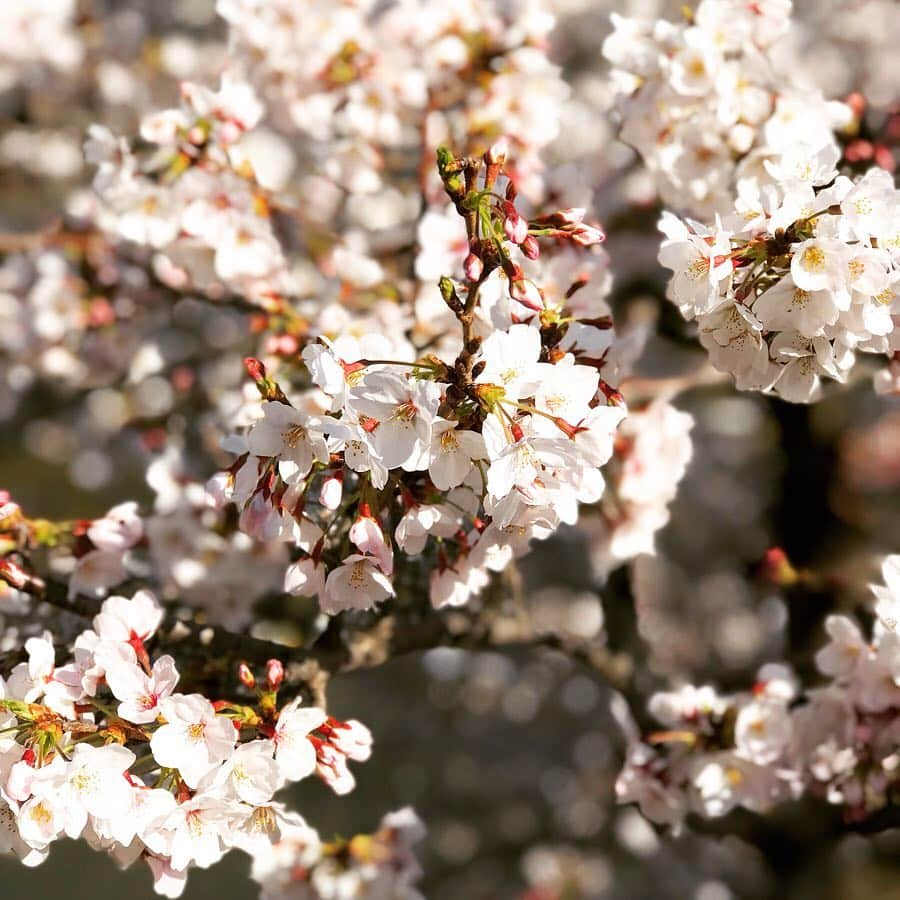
<point x="124" y="619"/>
<point x="138" y="693"/>
<point x="403" y="412"/>
<point x="289" y="434"/>
<point x="357" y="583"/>
<point x="251" y="773"/>
<point x="199" y="828"/>
<point x="305" y="578"/>
<point x="92" y="783"/>
<point x="96" y="572"/>
<point x="762" y="730"/>
<point x="119" y="529"/>
<point x="194" y="739"/>
<point x="510" y="359"/>
<point x="452" y="453"/>
<point x="294" y="751"/>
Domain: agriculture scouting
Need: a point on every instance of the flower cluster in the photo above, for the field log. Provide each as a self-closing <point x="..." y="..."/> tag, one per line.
<point x="200" y="557"/>
<point x="378" y="866"/>
<point x="104" y="747"/>
<point x="35" y="35"/>
<point x="58" y="327"/>
<point x="753" y="749"/>
<point x="652" y="451"/>
<point x="801" y="276"/>
<point x="366" y="84"/>
<point x="707" y="101"/>
<point x="91" y="553"/>
<point x="463" y="462"/>
<point x="196" y="199"/>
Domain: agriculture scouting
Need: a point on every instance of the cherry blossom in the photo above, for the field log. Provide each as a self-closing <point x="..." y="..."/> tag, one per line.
<point x="389" y="212"/>
<point x="294" y="751"/>
<point x="194" y="739"/>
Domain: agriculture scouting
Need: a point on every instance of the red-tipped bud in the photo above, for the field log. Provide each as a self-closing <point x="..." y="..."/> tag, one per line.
<point x="497" y="152"/>
<point x="274" y="674"/>
<point x="514" y="226"/>
<point x="530" y="247"/>
<point x="255" y="369"/>
<point x="777" y="569"/>
<point x="245" y="676"/>
<point x="857" y="103"/>
<point x="473" y="267"/>
<point x="613" y="397"/>
<point x="267" y="387"/>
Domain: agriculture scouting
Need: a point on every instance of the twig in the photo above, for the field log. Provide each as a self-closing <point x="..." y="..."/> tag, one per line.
<point x="345" y="647"/>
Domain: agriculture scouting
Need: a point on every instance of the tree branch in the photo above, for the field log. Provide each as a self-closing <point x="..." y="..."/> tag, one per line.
<point x="355" y="642"/>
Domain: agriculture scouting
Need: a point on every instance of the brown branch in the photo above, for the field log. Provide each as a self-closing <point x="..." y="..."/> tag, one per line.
<point x="21" y="242"/>
<point x="356" y="642"/>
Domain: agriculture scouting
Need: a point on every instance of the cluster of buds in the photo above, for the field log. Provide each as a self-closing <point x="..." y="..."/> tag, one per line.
<point x="493" y="222"/>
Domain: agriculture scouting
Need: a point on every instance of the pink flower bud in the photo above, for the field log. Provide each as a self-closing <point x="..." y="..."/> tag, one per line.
<point x="497" y="152"/>
<point x="274" y="674"/>
<point x="473" y="267"/>
<point x="530" y="247"/>
<point x="857" y="103"/>
<point x="515" y="227"/>
<point x="526" y="293"/>
<point x="574" y="215"/>
<point x="245" y="676"/>
<point x="255" y="369"/>
<point x="588" y="235"/>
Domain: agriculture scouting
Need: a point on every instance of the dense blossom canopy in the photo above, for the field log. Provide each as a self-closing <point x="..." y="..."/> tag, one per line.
<point x="348" y="295"/>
